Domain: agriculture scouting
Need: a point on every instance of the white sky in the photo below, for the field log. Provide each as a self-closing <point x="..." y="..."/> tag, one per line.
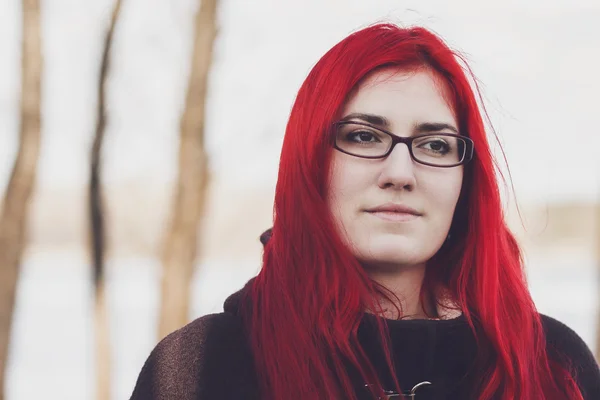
<point x="537" y="63"/>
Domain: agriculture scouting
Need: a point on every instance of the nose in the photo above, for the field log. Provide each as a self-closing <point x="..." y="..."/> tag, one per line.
<point x="397" y="170"/>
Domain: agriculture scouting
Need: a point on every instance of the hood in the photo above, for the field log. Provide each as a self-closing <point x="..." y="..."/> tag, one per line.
<point x="232" y="303"/>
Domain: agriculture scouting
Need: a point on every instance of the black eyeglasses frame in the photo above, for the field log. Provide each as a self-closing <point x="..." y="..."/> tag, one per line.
<point x="467" y="157"/>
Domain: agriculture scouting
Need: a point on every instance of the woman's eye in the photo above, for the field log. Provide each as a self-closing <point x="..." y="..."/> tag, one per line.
<point x="436" y="146"/>
<point x="362" y="137"/>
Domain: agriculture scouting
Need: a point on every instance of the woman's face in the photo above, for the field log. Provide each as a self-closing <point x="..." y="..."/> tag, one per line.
<point x="389" y="239"/>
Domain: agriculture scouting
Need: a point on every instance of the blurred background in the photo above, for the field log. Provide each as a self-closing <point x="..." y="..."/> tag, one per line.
<point x="76" y="334"/>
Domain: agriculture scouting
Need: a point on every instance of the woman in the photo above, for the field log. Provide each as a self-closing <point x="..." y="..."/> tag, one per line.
<point x="389" y="269"/>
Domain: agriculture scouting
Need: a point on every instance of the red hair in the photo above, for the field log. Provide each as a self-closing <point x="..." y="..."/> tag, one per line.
<point x="305" y="306"/>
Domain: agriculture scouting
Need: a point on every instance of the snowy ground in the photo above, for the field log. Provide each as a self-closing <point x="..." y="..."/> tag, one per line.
<point x="52" y="348"/>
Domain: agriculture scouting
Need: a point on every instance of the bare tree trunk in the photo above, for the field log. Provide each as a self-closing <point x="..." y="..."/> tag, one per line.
<point x="180" y="243"/>
<point x="97" y="228"/>
<point x="13" y="217"/>
<point x="597" y="252"/>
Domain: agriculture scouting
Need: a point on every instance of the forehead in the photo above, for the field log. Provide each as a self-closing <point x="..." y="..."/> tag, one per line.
<point x="403" y="97"/>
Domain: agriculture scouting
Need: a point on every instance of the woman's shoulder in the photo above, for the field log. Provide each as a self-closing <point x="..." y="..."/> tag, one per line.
<point x="203" y="337"/>
<point x="201" y="360"/>
<point x="569" y="349"/>
<point x="220" y="328"/>
<point x="564" y="339"/>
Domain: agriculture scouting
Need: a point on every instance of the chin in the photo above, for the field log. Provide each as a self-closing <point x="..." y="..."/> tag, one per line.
<point x="394" y="254"/>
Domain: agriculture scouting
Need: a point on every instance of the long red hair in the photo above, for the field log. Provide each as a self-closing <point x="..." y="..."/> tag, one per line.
<point x="305" y="305"/>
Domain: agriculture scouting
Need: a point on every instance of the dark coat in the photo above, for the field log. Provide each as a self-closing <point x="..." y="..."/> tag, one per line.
<point x="210" y="358"/>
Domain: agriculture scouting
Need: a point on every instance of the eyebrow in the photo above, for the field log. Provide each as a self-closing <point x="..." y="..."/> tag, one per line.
<point x="383" y="122"/>
<point x="370" y="118"/>
<point x="431" y="127"/>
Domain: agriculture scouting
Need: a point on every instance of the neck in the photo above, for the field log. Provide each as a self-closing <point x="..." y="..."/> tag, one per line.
<point x="405" y="285"/>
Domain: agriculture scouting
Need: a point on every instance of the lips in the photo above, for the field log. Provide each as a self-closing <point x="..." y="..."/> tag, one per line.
<point x="392" y="208"/>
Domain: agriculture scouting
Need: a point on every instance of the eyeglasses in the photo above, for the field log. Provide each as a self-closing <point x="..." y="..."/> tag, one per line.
<point x="436" y="149"/>
<point x="391" y="395"/>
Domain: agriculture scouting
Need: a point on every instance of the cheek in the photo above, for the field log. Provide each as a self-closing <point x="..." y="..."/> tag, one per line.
<point x="348" y="184"/>
<point x="443" y="194"/>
